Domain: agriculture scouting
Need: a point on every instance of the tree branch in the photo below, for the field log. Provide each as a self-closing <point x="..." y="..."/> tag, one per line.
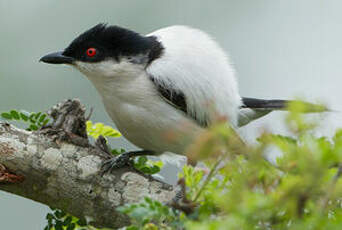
<point x="67" y="176"/>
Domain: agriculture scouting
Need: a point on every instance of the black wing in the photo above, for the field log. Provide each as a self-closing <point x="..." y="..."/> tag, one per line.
<point x="177" y="99"/>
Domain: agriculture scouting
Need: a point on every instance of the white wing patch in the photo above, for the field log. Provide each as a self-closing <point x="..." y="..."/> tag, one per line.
<point x="194" y="64"/>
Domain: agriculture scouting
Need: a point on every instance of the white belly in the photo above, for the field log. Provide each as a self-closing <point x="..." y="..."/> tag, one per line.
<point x="153" y="127"/>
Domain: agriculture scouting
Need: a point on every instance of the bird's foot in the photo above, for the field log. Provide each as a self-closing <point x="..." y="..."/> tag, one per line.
<point x="122" y="160"/>
<point x="116" y="162"/>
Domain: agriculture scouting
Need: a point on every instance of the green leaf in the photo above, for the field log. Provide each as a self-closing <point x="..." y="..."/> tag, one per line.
<point x="142" y="160"/>
<point x="160" y="164"/>
<point x="97" y="129"/>
<point x="59" y="214"/>
<point x="71" y="226"/>
<point x="59" y="225"/>
<point x="146" y="170"/>
<point x="42" y="117"/>
<point x="36" y="116"/>
<point x="7" y="116"/>
<point x="155" y="169"/>
<point x="117" y="151"/>
<point x="45" y="122"/>
<point x="49" y="216"/>
<point x="67" y="221"/>
<point x="33" y="127"/>
<point x="82" y="222"/>
<point x="32" y="118"/>
<point x="15" y="115"/>
<point x="24" y="116"/>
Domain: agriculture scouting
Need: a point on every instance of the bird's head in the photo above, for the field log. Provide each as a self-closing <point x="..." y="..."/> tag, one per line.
<point x="108" y="51"/>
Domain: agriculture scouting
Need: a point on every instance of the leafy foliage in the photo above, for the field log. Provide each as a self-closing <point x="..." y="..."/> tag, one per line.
<point x="99" y="129"/>
<point x="59" y="220"/>
<point x="151" y="215"/>
<point x="34" y="120"/>
<point x="302" y="191"/>
<point x="141" y="163"/>
<point x="147" y="166"/>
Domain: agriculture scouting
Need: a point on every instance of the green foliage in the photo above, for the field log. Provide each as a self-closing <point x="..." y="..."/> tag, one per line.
<point x="59" y="220"/>
<point x="302" y="191"/>
<point x="141" y="163"/>
<point x="99" y="129"/>
<point x="33" y="120"/>
<point x="147" y="166"/>
<point x="193" y="179"/>
<point x="151" y="215"/>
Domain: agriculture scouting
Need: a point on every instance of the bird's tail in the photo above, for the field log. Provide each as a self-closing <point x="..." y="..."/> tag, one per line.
<point x="254" y="103"/>
<point x="253" y="108"/>
<point x="262" y="104"/>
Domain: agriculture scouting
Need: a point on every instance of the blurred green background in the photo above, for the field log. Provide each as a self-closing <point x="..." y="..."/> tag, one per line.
<point x="280" y="49"/>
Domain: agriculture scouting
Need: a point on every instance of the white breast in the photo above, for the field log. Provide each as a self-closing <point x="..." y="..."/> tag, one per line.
<point x="138" y="111"/>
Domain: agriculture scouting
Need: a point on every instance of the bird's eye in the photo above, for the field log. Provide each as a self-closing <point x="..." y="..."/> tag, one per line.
<point x="91" y="52"/>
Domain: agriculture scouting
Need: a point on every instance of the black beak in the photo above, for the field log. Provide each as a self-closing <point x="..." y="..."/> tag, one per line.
<point x="57" y="58"/>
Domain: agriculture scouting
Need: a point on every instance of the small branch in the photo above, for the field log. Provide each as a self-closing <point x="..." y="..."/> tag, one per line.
<point x="207" y="180"/>
<point x="331" y="188"/>
<point x="55" y="170"/>
<point x="301" y="205"/>
<point x="180" y="201"/>
<point x="338" y="174"/>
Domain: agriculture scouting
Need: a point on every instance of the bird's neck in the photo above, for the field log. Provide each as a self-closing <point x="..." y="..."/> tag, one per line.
<point x="132" y="88"/>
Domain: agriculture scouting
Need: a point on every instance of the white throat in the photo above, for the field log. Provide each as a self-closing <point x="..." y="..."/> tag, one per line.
<point x="112" y="79"/>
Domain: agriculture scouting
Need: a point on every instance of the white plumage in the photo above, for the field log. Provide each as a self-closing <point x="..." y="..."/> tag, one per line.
<point x="196" y="65"/>
<point x="192" y="63"/>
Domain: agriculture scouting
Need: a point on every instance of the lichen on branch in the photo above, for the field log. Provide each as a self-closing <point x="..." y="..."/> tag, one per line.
<point x="58" y="167"/>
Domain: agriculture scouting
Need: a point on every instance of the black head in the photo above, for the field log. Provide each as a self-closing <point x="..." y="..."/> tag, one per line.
<point x="103" y="42"/>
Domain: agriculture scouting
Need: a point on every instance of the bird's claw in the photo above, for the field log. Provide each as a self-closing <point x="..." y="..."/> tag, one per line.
<point x="121" y="161"/>
<point x="116" y="162"/>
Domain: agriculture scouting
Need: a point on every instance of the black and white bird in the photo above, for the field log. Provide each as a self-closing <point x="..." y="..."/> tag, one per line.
<point x="172" y="82"/>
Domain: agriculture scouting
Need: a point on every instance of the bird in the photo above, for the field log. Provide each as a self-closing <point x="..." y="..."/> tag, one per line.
<point x="162" y="90"/>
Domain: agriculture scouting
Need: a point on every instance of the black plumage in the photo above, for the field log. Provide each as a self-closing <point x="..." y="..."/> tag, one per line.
<point x="113" y="42"/>
<point x="254" y="103"/>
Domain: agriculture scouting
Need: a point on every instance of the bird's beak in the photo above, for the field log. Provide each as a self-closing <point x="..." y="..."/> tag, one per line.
<point x="57" y="58"/>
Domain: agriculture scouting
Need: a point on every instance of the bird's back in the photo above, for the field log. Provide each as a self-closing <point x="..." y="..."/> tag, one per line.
<point x="195" y="64"/>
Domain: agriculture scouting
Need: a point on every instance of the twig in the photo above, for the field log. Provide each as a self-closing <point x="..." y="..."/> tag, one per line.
<point x="331" y="187"/>
<point x="207" y="180"/>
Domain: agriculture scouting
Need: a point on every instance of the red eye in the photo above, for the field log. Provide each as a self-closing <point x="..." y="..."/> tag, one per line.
<point x="91" y="52"/>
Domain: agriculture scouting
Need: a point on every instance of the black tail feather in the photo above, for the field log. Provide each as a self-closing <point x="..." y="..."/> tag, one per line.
<point x="269" y="105"/>
<point x="253" y="108"/>
<point x="254" y="103"/>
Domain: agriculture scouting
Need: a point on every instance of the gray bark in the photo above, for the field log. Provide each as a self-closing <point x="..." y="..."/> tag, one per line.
<point x="67" y="176"/>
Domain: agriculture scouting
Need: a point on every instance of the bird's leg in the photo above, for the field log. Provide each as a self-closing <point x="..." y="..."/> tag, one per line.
<point x="122" y="160"/>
